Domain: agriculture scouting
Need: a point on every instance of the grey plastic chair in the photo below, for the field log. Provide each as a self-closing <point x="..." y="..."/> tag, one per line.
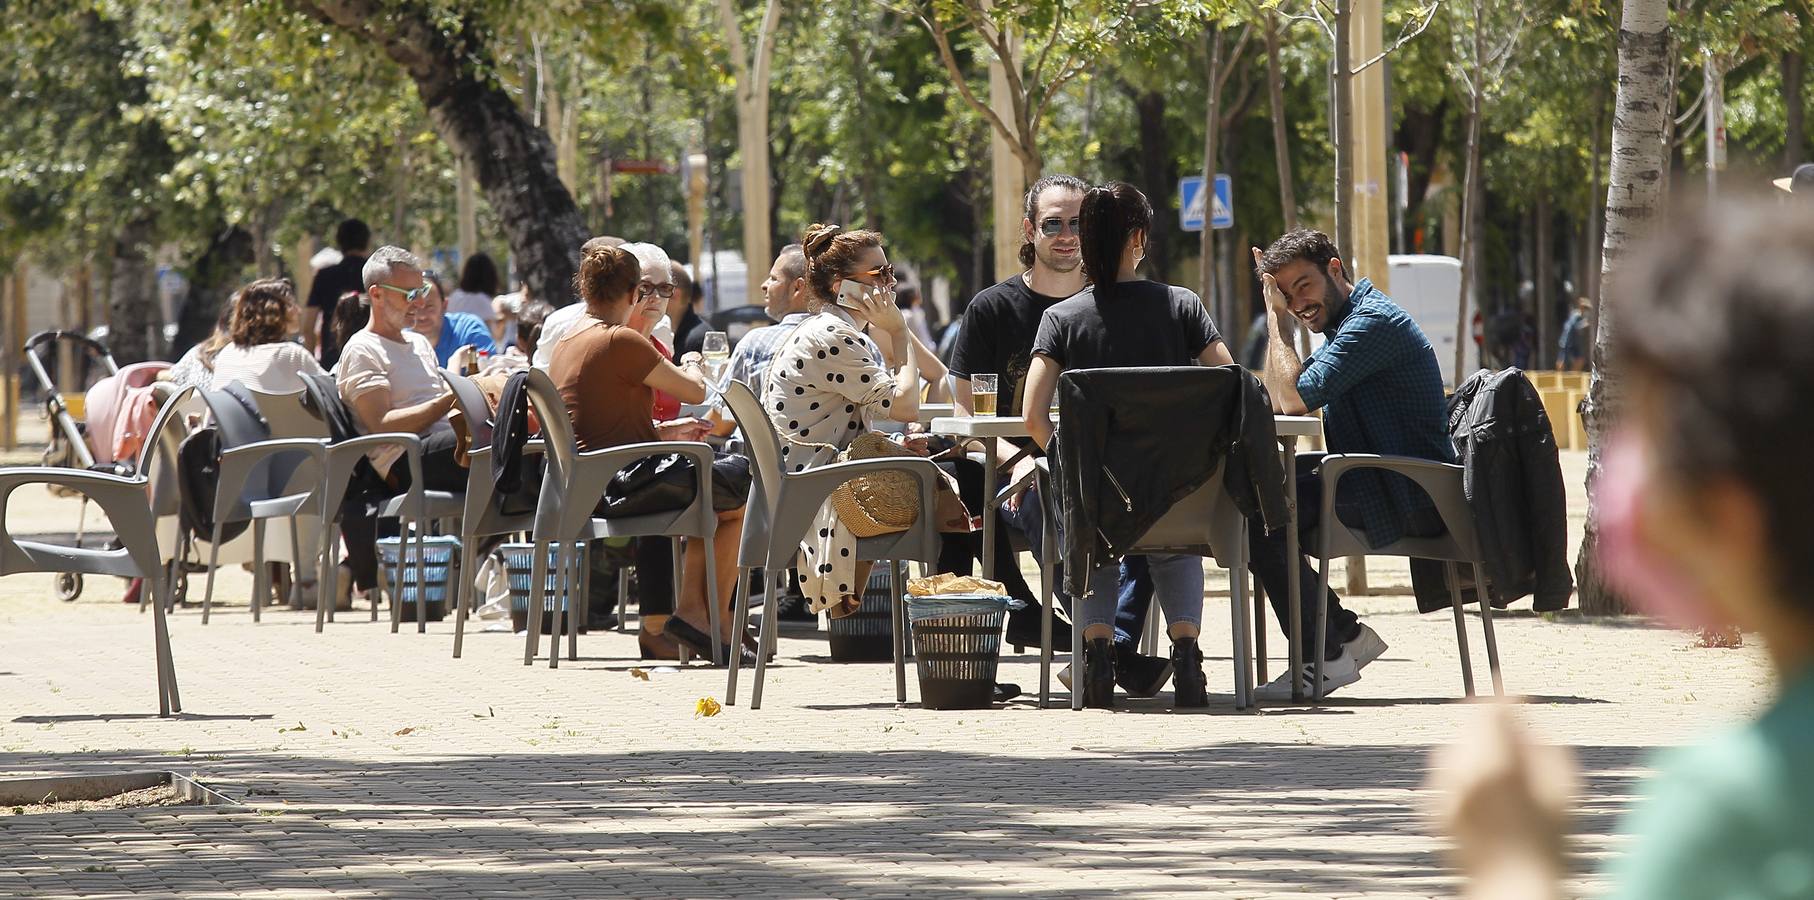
<point x="782" y="507"/>
<point x="572" y="485"/>
<point x="286" y="416"/>
<point x="480" y="517"/>
<point x="262" y="480"/>
<point x="342" y="458"/>
<point x="126" y="501"/>
<point x="1461" y="544"/>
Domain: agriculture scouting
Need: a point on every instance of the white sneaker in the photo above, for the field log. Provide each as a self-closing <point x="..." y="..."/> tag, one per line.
<point x="1338" y="672"/>
<point x="1365" y="648"/>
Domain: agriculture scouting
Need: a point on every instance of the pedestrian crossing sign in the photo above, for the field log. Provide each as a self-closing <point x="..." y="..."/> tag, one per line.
<point x="1192" y="200"/>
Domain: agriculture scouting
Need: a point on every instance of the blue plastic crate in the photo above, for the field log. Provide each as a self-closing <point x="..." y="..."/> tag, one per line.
<point x="440" y="560"/>
<point x="518" y="570"/>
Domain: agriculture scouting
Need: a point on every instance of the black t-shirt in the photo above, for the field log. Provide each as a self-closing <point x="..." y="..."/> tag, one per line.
<point x="1147" y="324"/>
<point x="997" y="336"/>
<point x="689" y="334"/>
<point x="324" y="294"/>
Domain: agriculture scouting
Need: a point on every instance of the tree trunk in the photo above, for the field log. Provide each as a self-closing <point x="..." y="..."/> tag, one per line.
<point x="1341" y="105"/>
<point x="1794" y="136"/>
<point x="751" y="68"/>
<point x="135" y="321"/>
<point x="1633" y="198"/>
<point x="1157" y="174"/>
<point x="212" y="279"/>
<point x="1470" y="202"/>
<point x="1543" y="354"/>
<point x="1281" y="146"/>
<point x="513" y="159"/>
<point x="1206" y="239"/>
<point x="1596" y="209"/>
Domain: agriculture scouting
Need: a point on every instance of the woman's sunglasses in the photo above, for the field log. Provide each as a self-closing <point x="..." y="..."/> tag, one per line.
<point x="879" y="273"/>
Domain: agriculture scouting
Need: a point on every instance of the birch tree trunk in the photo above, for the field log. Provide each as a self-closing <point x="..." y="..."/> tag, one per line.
<point x="1633" y="198"/>
<point x="513" y="159"/>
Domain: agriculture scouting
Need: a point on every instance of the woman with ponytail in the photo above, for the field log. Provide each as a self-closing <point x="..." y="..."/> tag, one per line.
<point x="1122" y="319"/>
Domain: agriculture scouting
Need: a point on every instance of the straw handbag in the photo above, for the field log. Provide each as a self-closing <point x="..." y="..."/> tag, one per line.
<point x="881" y="502"/>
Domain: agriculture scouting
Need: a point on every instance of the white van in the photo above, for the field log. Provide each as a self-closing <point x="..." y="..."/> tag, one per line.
<point x="1427" y="287"/>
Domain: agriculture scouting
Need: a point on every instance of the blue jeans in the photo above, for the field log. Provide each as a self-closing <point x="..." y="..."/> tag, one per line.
<point x="1177" y="583"/>
<point x="1135" y="599"/>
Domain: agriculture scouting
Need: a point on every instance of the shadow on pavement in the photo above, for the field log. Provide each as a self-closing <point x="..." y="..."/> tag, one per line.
<point x="1301" y="818"/>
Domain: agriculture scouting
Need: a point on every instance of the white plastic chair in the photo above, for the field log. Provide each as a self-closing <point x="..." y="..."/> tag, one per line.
<point x="782" y="507"/>
<point x="1459" y="544"/>
<point x="126" y="501"/>
<point x="572" y="485"/>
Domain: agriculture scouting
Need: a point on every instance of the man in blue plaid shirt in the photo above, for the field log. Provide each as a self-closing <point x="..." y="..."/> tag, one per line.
<point x="1381" y="390"/>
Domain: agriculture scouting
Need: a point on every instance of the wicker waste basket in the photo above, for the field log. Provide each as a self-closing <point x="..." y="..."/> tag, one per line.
<point x="440" y="568"/>
<point x="518" y="569"/>
<point x="956" y="645"/>
<point x="868" y="634"/>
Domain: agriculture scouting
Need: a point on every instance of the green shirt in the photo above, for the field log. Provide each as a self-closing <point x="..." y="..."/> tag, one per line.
<point x="1732" y="819"/>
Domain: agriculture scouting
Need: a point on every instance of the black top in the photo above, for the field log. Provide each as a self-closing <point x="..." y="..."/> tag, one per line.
<point x="997" y="336"/>
<point x="330" y="283"/>
<point x="1147" y="324"/>
<point x="689" y="334"/>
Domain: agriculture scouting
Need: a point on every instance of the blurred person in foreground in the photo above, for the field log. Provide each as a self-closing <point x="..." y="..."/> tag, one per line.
<point x="1706" y="513"/>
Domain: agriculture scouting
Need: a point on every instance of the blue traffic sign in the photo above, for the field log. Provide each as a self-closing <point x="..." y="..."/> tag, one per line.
<point x="1192" y="200"/>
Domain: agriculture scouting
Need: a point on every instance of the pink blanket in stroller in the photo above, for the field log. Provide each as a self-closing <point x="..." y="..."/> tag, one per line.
<point x="120" y="409"/>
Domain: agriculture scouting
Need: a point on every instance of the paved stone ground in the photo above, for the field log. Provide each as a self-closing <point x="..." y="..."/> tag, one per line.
<point x="373" y="764"/>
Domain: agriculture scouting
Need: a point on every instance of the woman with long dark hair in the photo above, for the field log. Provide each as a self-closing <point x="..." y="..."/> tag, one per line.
<point x="1123" y="319"/>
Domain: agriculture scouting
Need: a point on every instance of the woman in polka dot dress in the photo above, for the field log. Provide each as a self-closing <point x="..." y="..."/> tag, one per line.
<point x="827" y="385"/>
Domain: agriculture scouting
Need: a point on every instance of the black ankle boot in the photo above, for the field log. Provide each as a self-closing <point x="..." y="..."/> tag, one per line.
<point x="1188" y="687"/>
<point x="1099" y="674"/>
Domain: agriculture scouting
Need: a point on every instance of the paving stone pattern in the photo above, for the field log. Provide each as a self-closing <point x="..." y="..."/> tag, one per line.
<point x="374" y="765"/>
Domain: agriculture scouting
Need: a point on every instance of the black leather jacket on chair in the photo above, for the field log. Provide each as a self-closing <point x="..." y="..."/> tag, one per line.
<point x="1513" y="481"/>
<point x="1132" y="442"/>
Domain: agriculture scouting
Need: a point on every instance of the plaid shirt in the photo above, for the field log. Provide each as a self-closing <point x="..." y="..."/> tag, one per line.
<point x="1383" y="392"/>
<point x="749" y="362"/>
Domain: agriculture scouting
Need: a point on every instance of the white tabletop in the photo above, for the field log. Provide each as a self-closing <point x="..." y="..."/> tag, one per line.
<point x="1298" y="426"/>
<point x="980" y="426"/>
<point x="931" y="411"/>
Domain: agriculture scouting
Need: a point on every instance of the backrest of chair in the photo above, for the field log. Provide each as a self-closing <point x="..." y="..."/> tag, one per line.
<point x="557" y="430"/>
<point x="759" y="440"/>
<point x="1442" y="482"/>
<point x="1205" y="522"/>
<point x="157" y="459"/>
<point x="286" y="416"/>
<point x="473" y="406"/>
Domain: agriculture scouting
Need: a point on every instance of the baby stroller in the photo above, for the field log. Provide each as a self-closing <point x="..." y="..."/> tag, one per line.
<point x="112" y="431"/>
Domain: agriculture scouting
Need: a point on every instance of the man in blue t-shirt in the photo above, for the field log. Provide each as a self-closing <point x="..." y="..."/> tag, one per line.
<point x="1381" y="391"/>
<point x="450" y="331"/>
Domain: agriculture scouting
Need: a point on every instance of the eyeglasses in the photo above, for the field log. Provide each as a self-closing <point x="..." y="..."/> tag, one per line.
<point x="1054" y="227"/>
<point x="649" y="287"/>
<point x="879" y="273"/>
<point x="410" y="295"/>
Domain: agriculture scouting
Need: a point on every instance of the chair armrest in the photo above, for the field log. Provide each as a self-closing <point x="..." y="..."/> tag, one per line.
<point x="1442" y="481"/>
<point x="238" y="463"/>
<point x="594" y="469"/>
<point x="124" y="501"/>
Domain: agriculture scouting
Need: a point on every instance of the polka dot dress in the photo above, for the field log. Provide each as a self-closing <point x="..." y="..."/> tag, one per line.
<point x="824" y="388"/>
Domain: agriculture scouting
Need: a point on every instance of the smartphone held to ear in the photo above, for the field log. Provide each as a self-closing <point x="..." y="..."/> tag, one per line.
<point x="850" y="293"/>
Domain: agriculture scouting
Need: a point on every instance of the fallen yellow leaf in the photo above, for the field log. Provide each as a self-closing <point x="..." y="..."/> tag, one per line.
<point x="639" y="673"/>
<point x="707" y="707"/>
<point x="402" y="731"/>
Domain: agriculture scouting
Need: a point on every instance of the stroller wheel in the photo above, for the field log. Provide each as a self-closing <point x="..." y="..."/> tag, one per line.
<point x="69" y="586"/>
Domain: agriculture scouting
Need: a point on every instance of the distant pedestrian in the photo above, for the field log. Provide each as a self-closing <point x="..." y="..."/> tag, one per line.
<point x="477" y="294"/>
<point x="1572" y="348"/>
<point x="354" y="239"/>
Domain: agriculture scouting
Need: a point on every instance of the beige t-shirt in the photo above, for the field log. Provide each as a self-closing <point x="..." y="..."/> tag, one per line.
<point x="272" y="368"/>
<point x="407" y="367"/>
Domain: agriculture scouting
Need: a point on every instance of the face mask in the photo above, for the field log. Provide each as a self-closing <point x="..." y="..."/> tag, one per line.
<point x="1651" y="580"/>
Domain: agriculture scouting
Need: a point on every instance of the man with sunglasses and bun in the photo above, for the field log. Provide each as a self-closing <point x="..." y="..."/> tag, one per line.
<point x="390" y="379"/>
